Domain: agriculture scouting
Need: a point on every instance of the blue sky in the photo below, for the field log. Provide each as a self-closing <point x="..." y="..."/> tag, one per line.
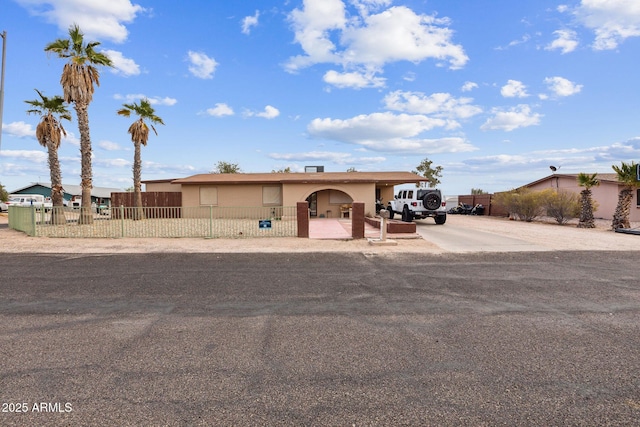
<point x="495" y="91"/>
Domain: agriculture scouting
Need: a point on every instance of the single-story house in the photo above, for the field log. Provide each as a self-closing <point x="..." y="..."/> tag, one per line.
<point x="605" y="194"/>
<point x="99" y="195"/>
<point x="328" y="193"/>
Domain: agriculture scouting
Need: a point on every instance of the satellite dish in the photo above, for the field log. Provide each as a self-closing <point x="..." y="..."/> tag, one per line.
<point x="553" y="168"/>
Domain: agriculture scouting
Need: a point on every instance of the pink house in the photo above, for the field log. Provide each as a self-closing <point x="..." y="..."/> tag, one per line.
<point x="606" y="194"/>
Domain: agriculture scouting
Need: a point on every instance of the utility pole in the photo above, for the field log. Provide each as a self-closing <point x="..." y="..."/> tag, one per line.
<point x="4" y="49"/>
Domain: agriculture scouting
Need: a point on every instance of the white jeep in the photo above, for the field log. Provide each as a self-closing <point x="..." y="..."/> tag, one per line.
<point x="419" y="203"/>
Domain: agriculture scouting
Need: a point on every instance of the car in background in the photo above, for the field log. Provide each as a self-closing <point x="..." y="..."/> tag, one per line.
<point x="27" y="200"/>
<point x="3" y="207"/>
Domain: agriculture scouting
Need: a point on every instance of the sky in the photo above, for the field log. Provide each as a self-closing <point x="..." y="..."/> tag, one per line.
<point x="494" y="91"/>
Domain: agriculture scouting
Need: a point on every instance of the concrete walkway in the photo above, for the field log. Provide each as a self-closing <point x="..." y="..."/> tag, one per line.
<point x="340" y="229"/>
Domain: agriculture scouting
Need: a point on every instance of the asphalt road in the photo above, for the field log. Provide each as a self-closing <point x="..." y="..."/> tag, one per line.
<point x="518" y="339"/>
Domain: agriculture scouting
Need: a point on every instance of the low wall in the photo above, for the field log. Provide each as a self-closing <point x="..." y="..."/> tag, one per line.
<point x="395" y="227"/>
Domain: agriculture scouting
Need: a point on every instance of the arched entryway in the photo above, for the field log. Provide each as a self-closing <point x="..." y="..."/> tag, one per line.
<point x="329" y="203"/>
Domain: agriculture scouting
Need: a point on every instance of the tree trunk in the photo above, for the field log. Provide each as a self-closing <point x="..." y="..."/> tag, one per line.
<point x="138" y="212"/>
<point x="57" y="213"/>
<point x="623" y="209"/>
<point x="86" y="175"/>
<point x="586" y="210"/>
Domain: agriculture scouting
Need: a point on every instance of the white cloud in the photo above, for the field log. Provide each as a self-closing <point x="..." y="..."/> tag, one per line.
<point x="562" y="87"/>
<point x="353" y="80"/>
<point x="566" y="41"/>
<point x="121" y="65"/>
<point x="327" y="156"/>
<point x="369" y="41"/>
<point x="514" y="89"/>
<point x="220" y="110"/>
<point x="469" y="86"/>
<point x="19" y="129"/>
<point x="201" y="66"/>
<point x="388" y="132"/>
<point x="98" y="19"/>
<point x="112" y="163"/>
<point x="153" y="100"/>
<point x="516" y="117"/>
<point x="613" y="21"/>
<point x="438" y="104"/>
<point x="29" y="155"/>
<point x="250" y="21"/>
<point x="109" y="146"/>
<point x="269" y="112"/>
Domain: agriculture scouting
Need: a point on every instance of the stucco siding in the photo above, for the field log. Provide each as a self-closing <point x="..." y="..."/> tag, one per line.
<point x="359" y="192"/>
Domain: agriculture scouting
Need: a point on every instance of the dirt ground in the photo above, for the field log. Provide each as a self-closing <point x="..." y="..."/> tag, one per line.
<point x="543" y="233"/>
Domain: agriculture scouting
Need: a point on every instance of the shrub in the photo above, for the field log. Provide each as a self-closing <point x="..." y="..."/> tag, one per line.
<point x="523" y="203"/>
<point x="563" y="206"/>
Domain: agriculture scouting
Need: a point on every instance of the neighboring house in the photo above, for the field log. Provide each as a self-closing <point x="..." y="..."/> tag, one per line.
<point x="605" y="195"/>
<point x="99" y="195"/>
<point x="328" y="193"/>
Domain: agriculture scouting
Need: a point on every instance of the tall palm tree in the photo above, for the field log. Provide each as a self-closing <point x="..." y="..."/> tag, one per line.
<point x="586" y="202"/>
<point x="139" y="132"/>
<point x="49" y="134"/>
<point x="78" y="77"/>
<point x="627" y="176"/>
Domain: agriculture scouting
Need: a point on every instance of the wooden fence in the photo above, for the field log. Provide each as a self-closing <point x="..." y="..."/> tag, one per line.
<point x="150" y="199"/>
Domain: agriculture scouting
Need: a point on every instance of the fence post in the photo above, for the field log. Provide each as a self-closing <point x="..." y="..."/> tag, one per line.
<point x="302" y="215"/>
<point x="33" y="220"/>
<point x="121" y="221"/>
<point x="357" y="222"/>
<point x="211" y="221"/>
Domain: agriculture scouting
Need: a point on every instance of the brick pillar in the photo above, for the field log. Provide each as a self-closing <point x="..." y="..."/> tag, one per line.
<point x="357" y="222"/>
<point x="302" y="214"/>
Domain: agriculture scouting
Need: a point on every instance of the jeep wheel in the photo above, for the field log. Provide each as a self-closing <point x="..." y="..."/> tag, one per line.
<point x="431" y="201"/>
<point x="407" y="216"/>
<point x="441" y="219"/>
<point x="391" y="212"/>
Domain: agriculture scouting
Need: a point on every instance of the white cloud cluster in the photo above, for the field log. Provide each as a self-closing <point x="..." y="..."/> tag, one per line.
<point x="442" y="105"/>
<point x="121" y="65"/>
<point x="327" y="156"/>
<point x="250" y="21"/>
<point x="19" y="129"/>
<point x="511" y="119"/>
<point x="562" y="87"/>
<point x="364" y="43"/>
<point x="269" y="112"/>
<point x="388" y="132"/>
<point x="220" y="110"/>
<point x="514" y="89"/>
<point x="354" y="80"/>
<point x="98" y="19"/>
<point x="612" y="21"/>
<point x="566" y="41"/>
<point x="201" y="65"/>
<point x="153" y="100"/>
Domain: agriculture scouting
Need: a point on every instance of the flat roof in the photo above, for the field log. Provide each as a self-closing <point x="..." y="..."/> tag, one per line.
<point x="389" y="178"/>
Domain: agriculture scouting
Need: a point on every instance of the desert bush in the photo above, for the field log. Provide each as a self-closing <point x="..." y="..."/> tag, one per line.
<point x="563" y="206"/>
<point x="523" y="203"/>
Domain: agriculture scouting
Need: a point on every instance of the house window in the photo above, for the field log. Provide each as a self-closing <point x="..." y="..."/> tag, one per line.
<point x="272" y="195"/>
<point x="209" y="196"/>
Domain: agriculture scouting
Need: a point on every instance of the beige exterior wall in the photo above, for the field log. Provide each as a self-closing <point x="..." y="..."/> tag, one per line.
<point x="386" y="194"/>
<point x="162" y="186"/>
<point x="359" y="192"/>
<point x="228" y="195"/>
<point x="605" y="195"/>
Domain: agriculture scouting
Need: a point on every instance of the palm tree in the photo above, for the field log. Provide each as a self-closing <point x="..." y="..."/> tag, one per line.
<point x="49" y="134"/>
<point x="139" y="135"/>
<point x="78" y="78"/>
<point x="627" y="176"/>
<point x="586" y="211"/>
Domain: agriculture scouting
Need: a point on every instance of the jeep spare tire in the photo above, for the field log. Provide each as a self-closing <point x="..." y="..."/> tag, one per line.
<point x="431" y="201"/>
